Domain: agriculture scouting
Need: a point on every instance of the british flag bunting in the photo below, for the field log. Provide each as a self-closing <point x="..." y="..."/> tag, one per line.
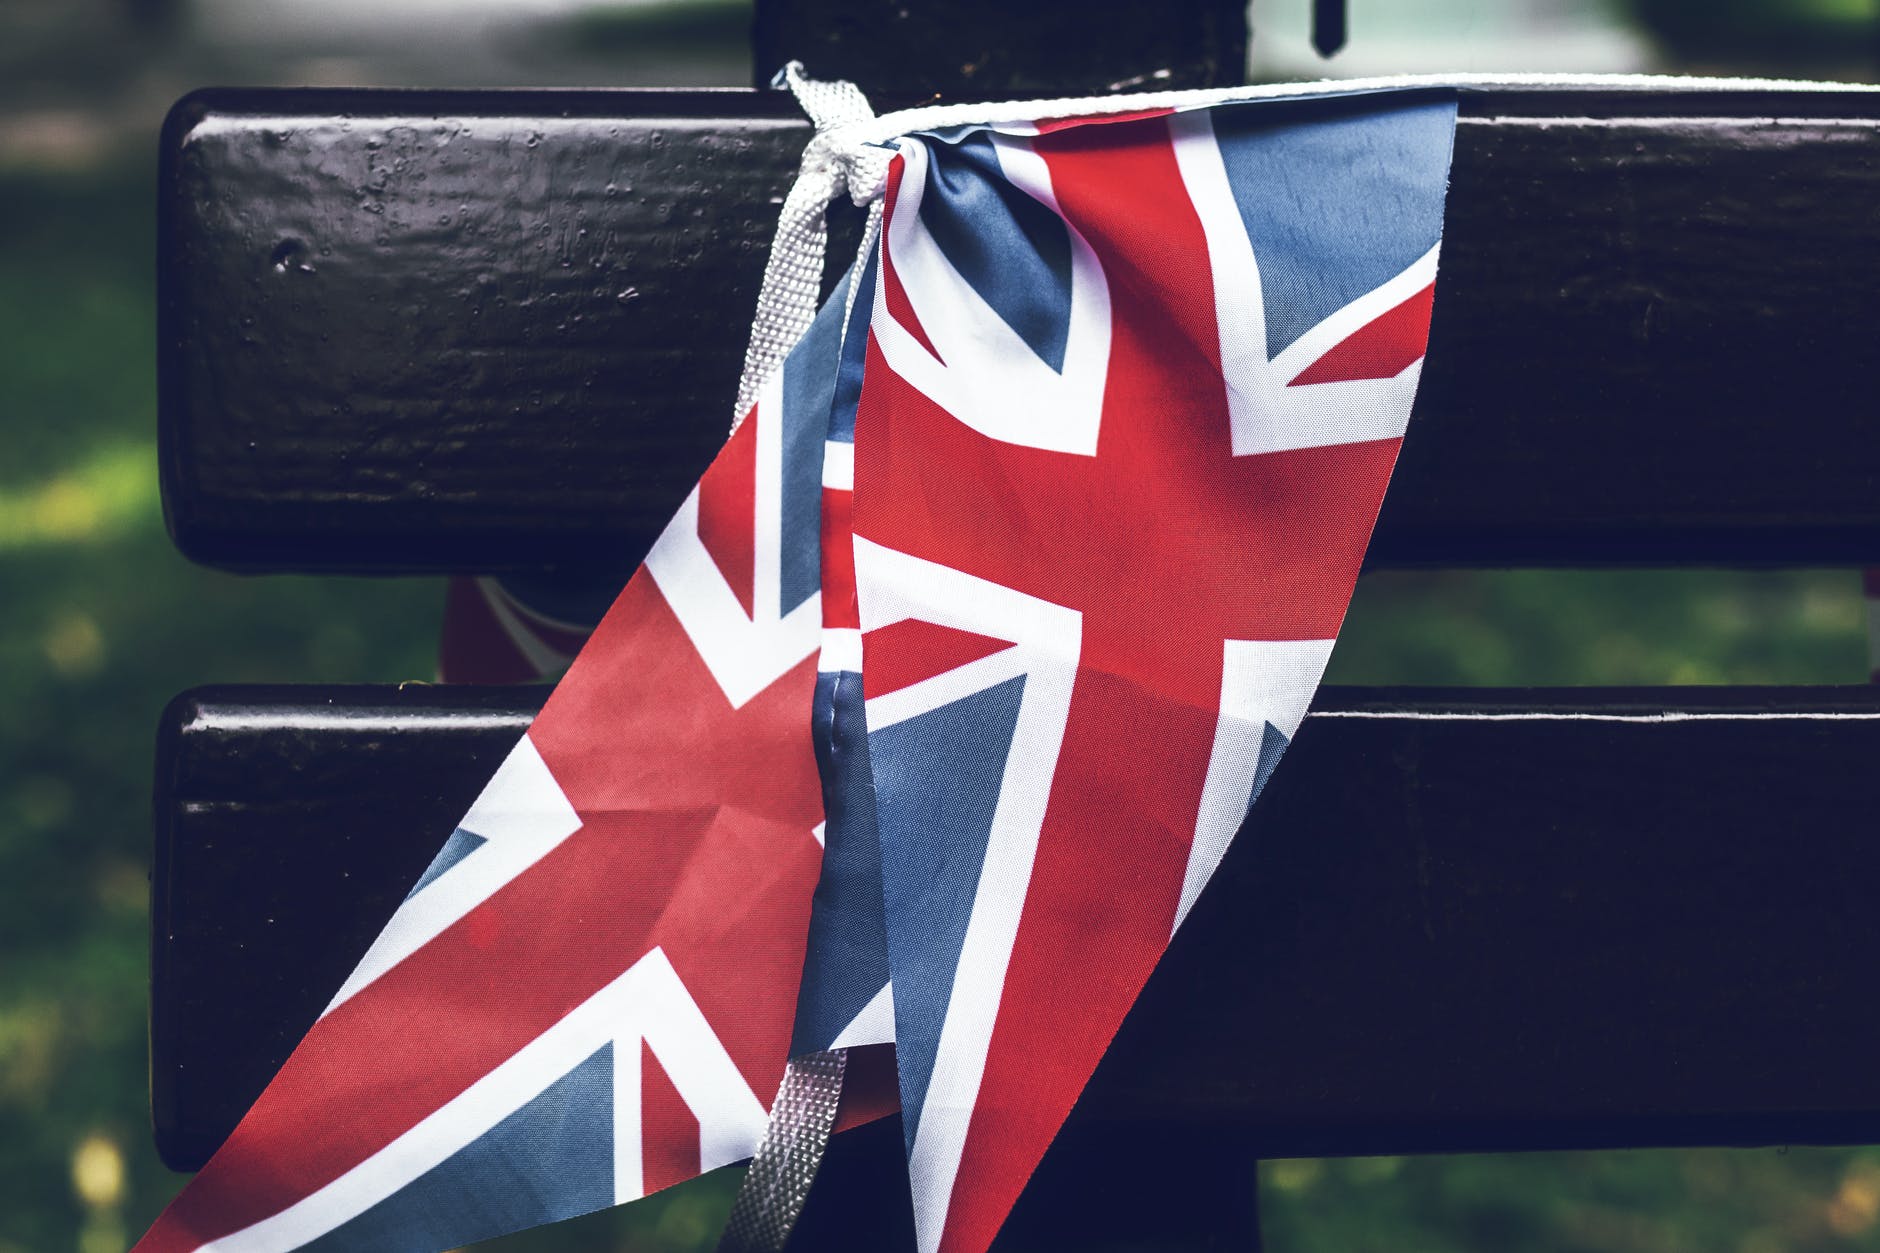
<point x="589" y="994"/>
<point x="1134" y="390"/>
<point x="928" y="718"/>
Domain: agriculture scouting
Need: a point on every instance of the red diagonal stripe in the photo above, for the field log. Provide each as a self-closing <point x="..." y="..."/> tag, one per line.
<point x="1049" y="125"/>
<point x="727" y="510"/>
<point x="1380" y="349"/>
<point x="906" y="652"/>
<point x="665" y="1119"/>
<point x="838" y="561"/>
<point x="892" y="292"/>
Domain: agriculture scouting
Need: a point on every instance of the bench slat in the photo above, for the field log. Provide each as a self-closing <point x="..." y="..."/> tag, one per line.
<point x="424" y="331"/>
<point x="1459" y="920"/>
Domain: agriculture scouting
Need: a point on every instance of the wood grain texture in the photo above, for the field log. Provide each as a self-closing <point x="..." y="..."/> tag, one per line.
<point x="421" y="331"/>
<point x="1457" y="920"/>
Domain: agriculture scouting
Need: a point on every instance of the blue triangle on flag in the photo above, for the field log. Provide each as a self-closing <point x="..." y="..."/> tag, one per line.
<point x="809" y="390"/>
<point x="1273" y="744"/>
<point x="460" y="845"/>
<point x="847" y="965"/>
<point x="848" y="388"/>
<point x="1333" y="206"/>
<point x="937" y="779"/>
<point x="1012" y="250"/>
<point x="551" y="1159"/>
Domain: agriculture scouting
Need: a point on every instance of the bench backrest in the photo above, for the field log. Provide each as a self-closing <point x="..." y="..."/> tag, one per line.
<point x="421" y="331"/>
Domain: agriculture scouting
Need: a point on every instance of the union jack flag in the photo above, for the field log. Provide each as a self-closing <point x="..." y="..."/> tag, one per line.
<point x="1134" y="389"/>
<point x="588" y="995"/>
<point x="1010" y="590"/>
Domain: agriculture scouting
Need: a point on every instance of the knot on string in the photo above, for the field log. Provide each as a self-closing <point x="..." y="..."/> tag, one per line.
<point x="840" y="112"/>
<point x="833" y="162"/>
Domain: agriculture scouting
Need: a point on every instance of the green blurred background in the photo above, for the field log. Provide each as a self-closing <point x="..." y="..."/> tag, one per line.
<point x="101" y="622"/>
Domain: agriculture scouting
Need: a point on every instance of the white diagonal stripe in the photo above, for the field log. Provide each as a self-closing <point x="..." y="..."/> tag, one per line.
<point x="521" y="814"/>
<point x="647" y="1003"/>
<point x="1262" y="681"/>
<point x="893" y="586"/>
<point x="838" y="466"/>
<point x="1268" y="415"/>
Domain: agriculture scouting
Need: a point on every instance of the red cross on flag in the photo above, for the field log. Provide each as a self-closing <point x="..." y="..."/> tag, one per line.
<point x="1117" y="458"/>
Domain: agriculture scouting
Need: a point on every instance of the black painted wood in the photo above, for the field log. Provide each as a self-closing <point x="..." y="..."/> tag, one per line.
<point x="289" y="825"/>
<point x="1458" y="920"/>
<point x="415" y="331"/>
<point x="993" y="49"/>
<point x="1155" y="1188"/>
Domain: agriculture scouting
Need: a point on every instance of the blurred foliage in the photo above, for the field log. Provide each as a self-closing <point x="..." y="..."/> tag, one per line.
<point x="100" y="624"/>
<point x="1566" y="627"/>
<point x="1684" y="1201"/>
<point x="613" y="29"/>
<point x="1838" y="38"/>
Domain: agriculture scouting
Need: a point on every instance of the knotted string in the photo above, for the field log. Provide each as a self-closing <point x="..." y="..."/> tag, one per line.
<point x="786" y="304"/>
<point x="771" y="1198"/>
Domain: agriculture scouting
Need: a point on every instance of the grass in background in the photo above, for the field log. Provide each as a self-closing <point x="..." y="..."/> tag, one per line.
<point x="1577" y="627"/>
<point x="101" y="623"/>
<point x="1662" y="1201"/>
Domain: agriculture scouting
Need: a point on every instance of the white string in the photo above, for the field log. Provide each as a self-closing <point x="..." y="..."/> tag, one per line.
<point x="852" y="149"/>
<point x="786" y="304"/>
<point x="868" y="175"/>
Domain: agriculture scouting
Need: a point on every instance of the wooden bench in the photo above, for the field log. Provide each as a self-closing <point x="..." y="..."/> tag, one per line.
<point x="482" y="332"/>
<point x="411" y="332"/>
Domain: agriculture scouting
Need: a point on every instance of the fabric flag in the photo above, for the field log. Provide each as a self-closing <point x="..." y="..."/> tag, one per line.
<point x="589" y="994"/>
<point x="1134" y="389"/>
<point x="1011" y="590"/>
<point x="845" y="1000"/>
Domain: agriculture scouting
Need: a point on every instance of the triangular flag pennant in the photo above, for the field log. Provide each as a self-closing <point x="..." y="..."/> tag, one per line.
<point x="1134" y="392"/>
